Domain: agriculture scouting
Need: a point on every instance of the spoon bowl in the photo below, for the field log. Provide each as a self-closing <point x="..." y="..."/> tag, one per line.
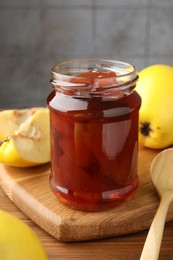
<point x="162" y="178"/>
<point x="161" y="171"/>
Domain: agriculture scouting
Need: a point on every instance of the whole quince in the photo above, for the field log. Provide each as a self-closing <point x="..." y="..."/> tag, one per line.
<point x="18" y="241"/>
<point x="155" y="86"/>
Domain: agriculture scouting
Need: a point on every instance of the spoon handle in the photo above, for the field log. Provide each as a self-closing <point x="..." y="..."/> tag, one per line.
<point x="153" y="241"/>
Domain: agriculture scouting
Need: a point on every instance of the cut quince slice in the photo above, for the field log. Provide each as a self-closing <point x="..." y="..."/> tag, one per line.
<point x="30" y="144"/>
<point x="11" y="119"/>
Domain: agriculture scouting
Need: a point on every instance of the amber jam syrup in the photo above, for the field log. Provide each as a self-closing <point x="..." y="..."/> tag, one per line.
<point x="94" y="146"/>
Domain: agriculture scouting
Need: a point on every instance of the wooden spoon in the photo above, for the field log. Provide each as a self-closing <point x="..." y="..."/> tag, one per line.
<point x="162" y="177"/>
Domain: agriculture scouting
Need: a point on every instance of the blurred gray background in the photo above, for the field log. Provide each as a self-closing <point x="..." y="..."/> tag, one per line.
<point x="37" y="34"/>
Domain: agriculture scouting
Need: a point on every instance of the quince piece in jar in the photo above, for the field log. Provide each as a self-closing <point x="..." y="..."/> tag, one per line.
<point x="83" y="153"/>
<point x="76" y="178"/>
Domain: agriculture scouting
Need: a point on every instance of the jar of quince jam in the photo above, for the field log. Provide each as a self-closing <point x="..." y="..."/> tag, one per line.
<point x="94" y="133"/>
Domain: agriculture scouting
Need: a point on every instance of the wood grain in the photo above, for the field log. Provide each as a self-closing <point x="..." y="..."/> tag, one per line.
<point x="29" y="190"/>
<point x="127" y="247"/>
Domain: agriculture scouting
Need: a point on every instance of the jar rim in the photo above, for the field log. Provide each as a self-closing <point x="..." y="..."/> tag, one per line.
<point x="63" y="75"/>
<point x="58" y="68"/>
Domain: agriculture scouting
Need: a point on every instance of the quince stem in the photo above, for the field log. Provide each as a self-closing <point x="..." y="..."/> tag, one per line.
<point x="5" y="140"/>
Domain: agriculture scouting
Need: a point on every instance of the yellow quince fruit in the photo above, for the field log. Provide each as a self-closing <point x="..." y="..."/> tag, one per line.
<point x="155" y="86"/>
<point x="18" y="241"/>
<point x="11" y="119"/>
<point x="29" y="145"/>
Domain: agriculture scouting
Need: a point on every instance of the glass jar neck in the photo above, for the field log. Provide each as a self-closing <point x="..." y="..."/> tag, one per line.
<point x="94" y="78"/>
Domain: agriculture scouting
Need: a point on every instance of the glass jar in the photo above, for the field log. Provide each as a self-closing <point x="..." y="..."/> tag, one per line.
<point x="94" y="133"/>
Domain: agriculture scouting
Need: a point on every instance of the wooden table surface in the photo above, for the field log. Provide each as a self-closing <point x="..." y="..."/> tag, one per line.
<point x="117" y="248"/>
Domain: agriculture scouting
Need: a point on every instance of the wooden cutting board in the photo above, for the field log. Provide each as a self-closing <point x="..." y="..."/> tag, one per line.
<point x="29" y="189"/>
